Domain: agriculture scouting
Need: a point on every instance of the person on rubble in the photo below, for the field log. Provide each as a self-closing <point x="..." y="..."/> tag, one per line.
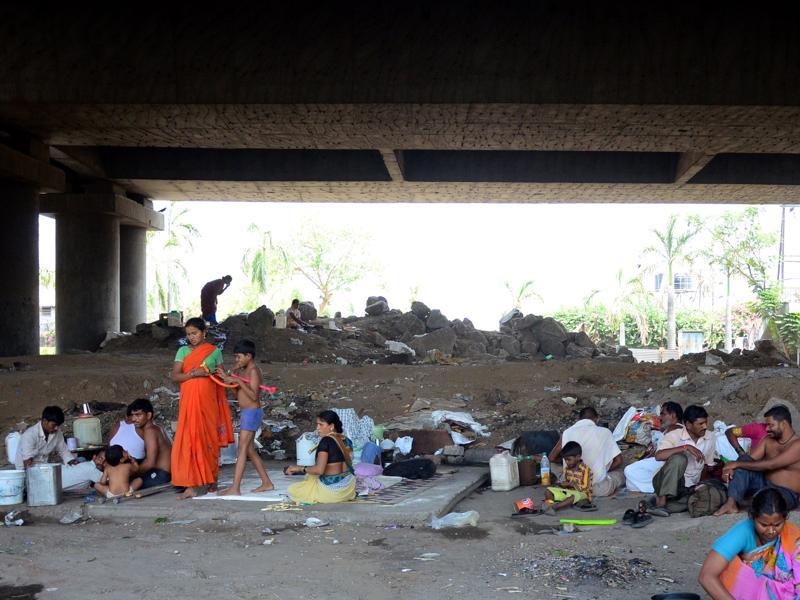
<point x="293" y="319"/>
<point x="208" y="297"/>
<point x="599" y="450"/>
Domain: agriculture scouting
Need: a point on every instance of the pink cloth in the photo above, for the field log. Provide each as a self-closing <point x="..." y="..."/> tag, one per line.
<point x="756" y="432"/>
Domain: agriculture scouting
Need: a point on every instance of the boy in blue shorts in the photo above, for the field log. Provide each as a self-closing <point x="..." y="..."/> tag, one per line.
<point x="248" y="376"/>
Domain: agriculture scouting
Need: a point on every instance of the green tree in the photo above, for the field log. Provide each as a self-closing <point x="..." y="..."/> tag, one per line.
<point x="264" y="263"/>
<point x="725" y="252"/>
<point x="47" y="278"/>
<point x="166" y="249"/>
<point x="330" y="260"/>
<point x="673" y="247"/>
<point x="520" y="293"/>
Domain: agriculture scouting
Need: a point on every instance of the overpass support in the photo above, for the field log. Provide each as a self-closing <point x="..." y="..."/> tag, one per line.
<point x="24" y="171"/>
<point x="97" y="254"/>
<point x="132" y="275"/>
<point x="19" y="269"/>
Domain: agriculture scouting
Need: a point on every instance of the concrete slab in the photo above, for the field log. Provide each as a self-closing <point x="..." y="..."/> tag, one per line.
<point x="415" y="508"/>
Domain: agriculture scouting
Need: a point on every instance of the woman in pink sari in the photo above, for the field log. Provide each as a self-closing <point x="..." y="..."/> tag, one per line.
<point x="756" y="559"/>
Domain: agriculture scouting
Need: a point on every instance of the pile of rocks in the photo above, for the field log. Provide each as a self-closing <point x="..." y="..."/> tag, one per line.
<point x="520" y="337"/>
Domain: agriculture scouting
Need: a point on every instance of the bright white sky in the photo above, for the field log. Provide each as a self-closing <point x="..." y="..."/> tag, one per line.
<point x="459" y="255"/>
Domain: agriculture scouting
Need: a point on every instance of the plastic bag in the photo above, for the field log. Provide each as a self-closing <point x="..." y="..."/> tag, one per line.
<point x="455" y="520"/>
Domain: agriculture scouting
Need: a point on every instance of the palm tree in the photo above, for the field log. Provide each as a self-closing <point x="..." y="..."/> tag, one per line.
<point x="264" y="263"/>
<point x="522" y="293"/>
<point x="178" y="239"/>
<point x="673" y="247"/>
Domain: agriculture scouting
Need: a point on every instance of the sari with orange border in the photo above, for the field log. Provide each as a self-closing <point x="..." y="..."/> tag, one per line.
<point x="204" y="425"/>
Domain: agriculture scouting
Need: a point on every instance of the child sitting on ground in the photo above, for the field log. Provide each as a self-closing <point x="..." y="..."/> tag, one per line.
<point x="116" y="479"/>
<point x="248" y="376"/>
<point x="575" y="485"/>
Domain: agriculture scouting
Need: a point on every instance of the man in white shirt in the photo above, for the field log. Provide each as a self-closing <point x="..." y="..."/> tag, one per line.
<point x="687" y="452"/>
<point x="41" y="440"/>
<point x="599" y="451"/>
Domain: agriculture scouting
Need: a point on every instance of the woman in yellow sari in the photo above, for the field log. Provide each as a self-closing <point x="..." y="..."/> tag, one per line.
<point x="331" y="479"/>
<point x="204" y="417"/>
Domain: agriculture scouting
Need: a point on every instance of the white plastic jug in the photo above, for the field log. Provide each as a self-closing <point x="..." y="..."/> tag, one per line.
<point x="280" y="321"/>
<point x="12" y="443"/>
<point x="12" y="484"/>
<point x="305" y="446"/>
<point x="88" y="431"/>
<point x="504" y="471"/>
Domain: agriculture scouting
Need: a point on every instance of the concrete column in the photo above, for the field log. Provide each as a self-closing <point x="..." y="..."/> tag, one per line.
<point x="19" y="269"/>
<point x="87" y="279"/>
<point x="132" y="274"/>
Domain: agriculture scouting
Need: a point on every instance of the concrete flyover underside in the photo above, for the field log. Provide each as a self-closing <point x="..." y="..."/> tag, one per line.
<point x="421" y="102"/>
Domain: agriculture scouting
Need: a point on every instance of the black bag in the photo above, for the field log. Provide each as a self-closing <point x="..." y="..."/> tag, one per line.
<point x="707" y="497"/>
<point x="414" y="468"/>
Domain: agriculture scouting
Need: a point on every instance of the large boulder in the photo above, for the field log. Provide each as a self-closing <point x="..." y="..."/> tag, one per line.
<point x="409" y="325"/>
<point x="374" y="299"/>
<point x="437" y="320"/>
<point x="552" y="337"/>
<point x="579" y="351"/>
<point x="527" y="322"/>
<point x="529" y="346"/>
<point x="420" y="310"/>
<point x="442" y="339"/>
<point x="308" y="311"/>
<point x="377" y="308"/>
<point x="583" y="340"/>
<point x="261" y="319"/>
<point x="459" y="327"/>
<point x="510" y="345"/>
<point x="465" y="347"/>
<point x="468" y="324"/>
<point x="477" y="337"/>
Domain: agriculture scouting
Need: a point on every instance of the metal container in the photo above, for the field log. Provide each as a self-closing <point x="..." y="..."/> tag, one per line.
<point x="43" y="483"/>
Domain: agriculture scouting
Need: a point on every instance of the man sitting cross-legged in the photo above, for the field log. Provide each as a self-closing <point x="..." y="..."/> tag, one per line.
<point x="155" y="467"/>
<point x="775" y="463"/>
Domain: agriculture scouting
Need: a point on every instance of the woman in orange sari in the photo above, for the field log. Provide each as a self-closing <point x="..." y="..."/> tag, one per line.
<point x="204" y="417"/>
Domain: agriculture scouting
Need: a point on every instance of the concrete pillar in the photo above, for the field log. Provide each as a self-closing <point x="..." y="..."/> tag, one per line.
<point x="19" y="269"/>
<point x="132" y="273"/>
<point x="87" y="279"/>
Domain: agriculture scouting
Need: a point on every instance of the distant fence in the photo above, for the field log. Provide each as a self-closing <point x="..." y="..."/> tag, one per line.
<point x="654" y="355"/>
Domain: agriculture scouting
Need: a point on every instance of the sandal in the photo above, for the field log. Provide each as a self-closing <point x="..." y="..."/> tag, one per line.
<point x="641" y="520"/>
<point x="628" y="517"/>
<point x="658" y="511"/>
<point x="585" y="507"/>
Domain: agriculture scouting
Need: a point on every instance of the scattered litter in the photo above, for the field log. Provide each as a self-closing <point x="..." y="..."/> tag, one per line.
<point x="427" y="556"/>
<point x="14" y="519"/>
<point x="461" y="419"/>
<point x="406" y="570"/>
<point x="296" y="341"/>
<point x="404" y="444"/>
<point x="455" y="520"/>
<point x="708" y="370"/>
<point x="51" y="589"/>
<point x="341" y="361"/>
<point x="182" y="522"/>
<point x="666" y="579"/>
<point x="399" y="348"/>
<point x="569" y="400"/>
<point x="267" y="531"/>
<point x="335" y="542"/>
<point x="314" y="522"/>
<point x="72" y="517"/>
<point x="554" y="388"/>
<point x="176" y="551"/>
<point x="682" y="380"/>
<point x="712" y="360"/>
<point x="268" y="542"/>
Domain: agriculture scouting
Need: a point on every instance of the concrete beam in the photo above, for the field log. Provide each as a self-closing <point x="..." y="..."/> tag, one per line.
<point x="393" y="164"/>
<point x="126" y="210"/>
<point x="23" y="168"/>
<point x="392" y="191"/>
<point x="83" y="160"/>
<point x="690" y="164"/>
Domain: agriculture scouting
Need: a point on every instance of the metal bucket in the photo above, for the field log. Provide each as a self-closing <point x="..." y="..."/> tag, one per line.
<point x="43" y="484"/>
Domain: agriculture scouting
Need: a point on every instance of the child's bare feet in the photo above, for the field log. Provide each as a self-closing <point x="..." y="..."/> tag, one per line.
<point x="264" y="487"/>
<point x="231" y="491"/>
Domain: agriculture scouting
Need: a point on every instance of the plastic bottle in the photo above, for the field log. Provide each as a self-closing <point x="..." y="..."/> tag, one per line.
<point x="545" y="470"/>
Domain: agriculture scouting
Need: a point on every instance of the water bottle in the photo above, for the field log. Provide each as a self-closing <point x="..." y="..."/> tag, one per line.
<point x="545" y="470"/>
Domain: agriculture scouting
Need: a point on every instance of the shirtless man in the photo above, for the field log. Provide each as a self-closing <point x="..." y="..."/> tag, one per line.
<point x="155" y="467"/>
<point x="775" y="463"/>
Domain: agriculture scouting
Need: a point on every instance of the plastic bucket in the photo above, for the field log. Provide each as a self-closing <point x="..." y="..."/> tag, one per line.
<point x="12" y="484"/>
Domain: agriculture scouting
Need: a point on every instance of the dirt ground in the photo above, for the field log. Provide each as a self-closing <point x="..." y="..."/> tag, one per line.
<point x="502" y="556"/>
<point x="142" y="559"/>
